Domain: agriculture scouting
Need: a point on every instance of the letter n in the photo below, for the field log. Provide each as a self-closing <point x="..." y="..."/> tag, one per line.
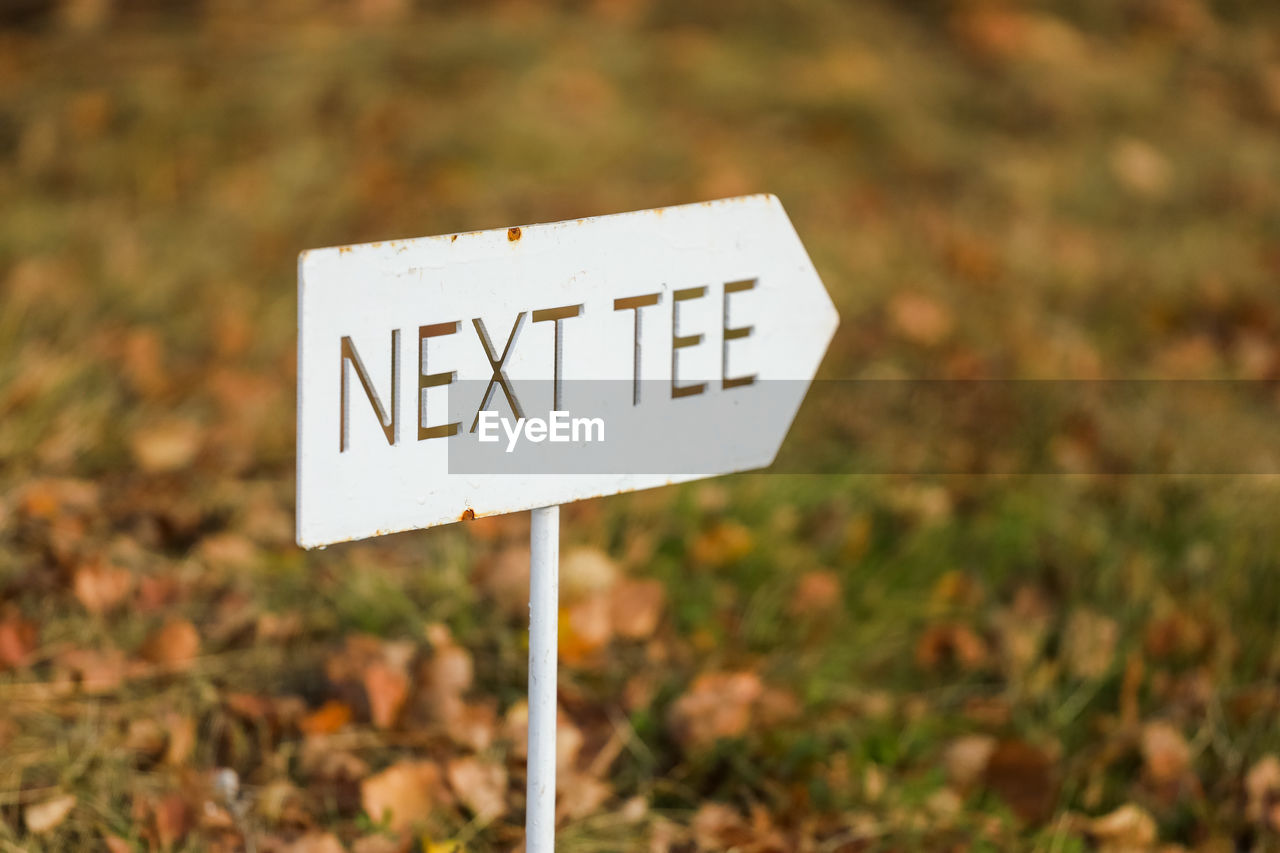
<point x="388" y="420"/>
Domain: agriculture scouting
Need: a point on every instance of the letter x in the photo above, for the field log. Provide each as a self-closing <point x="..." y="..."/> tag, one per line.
<point x="496" y="365"/>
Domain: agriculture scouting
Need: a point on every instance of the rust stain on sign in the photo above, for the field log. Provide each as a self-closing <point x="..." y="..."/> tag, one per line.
<point x="513" y="234"/>
<point x="468" y="514"/>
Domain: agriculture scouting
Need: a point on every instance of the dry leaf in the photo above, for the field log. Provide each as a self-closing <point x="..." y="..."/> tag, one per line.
<point x="163" y="446"/>
<point x="504" y="578"/>
<point x="315" y="842"/>
<point x="174" y="646"/>
<point x="48" y="815"/>
<point x="101" y="588"/>
<point x="1166" y="755"/>
<point x="1140" y="168"/>
<point x="387" y="688"/>
<point x="481" y="786"/>
<point x="17" y="641"/>
<point x="716" y="705"/>
<point x="182" y="739"/>
<point x="1128" y="829"/>
<point x="116" y="844"/>
<point x="717" y="826"/>
<point x="586" y="627"/>
<point x="228" y="550"/>
<point x="966" y="759"/>
<point x="920" y="319"/>
<point x="580" y="795"/>
<point x="327" y="719"/>
<point x="96" y="671"/>
<point x="403" y="794"/>
<point x="1262" y="787"/>
<point x="816" y="592"/>
<point x="636" y="608"/>
<point x="1024" y="777"/>
<point x="724" y="543"/>
<point x="145" y="737"/>
<point x="1089" y="643"/>
<point x="950" y="644"/>
<point x="173" y="819"/>
<point x="585" y="572"/>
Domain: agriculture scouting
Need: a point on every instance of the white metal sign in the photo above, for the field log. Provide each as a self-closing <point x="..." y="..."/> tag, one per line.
<point x="484" y="373"/>
<point x="475" y="374"/>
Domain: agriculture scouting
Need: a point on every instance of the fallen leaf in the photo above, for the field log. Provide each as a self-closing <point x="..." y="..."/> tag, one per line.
<point x="1166" y="755"/>
<point x="48" y="815"/>
<point x="1262" y="790"/>
<point x="580" y="795"/>
<point x="228" y="550"/>
<point x="17" y="641"/>
<point x="403" y="794"/>
<point x="920" y="319"/>
<point x="724" y="543"/>
<point x="717" y="705"/>
<point x="97" y="672"/>
<point x="175" y="645"/>
<point x="585" y="572"/>
<point x="636" y="608"/>
<point x="182" y="739"/>
<point x="164" y="446"/>
<point x="815" y="593"/>
<point x="315" y="842"/>
<point x="717" y="826"/>
<point x="504" y="578"/>
<point x="387" y="688"/>
<point x="145" y="737"/>
<point x="1089" y="643"/>
<point x="481" y="786"/>
<point x="473" y="726"/>
<point x="173" y="819"/>
<point x="950" y="644"/>
<point x="1024" y="777"/>
<point x="330" y="717"/>
<point x="116" y="844"/>
<point x="1140" y="168"/>
<point x="586" y="626"/>
<point x="1128" y="829"/>
<point x="966" y="759"/>
<point x="101" y="588"/>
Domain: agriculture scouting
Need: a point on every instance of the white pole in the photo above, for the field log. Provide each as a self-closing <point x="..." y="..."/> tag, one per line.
<point x="544" y="598"/>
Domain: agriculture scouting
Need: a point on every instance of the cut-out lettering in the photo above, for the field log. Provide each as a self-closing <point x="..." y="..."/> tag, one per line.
<point x="679" y="342"/>
<point x="555" y="315"/>
<point x="432" y="380"/>
<point x="388" y="421"/>
<point x="635" y="303"/>
<point x="495" y="364"/>
<point x="733" y="334"/>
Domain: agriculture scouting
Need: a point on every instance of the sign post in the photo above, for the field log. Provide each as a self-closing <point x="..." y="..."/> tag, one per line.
<point x="544" y="611"/>
<point x="445" y="378"/>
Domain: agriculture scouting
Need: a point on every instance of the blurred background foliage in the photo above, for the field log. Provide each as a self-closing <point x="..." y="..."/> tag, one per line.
<point x="991" y="190"/>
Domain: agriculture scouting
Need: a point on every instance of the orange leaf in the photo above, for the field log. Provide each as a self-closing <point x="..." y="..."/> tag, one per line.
<point x="637" y="608"/>
<point x="48" y="815"/>
<point x="481" y="786"/>
<point x="165" y="446"/>
<point x="327" y="719"/>
<point x="403" y="794"/>
<point x="17" y="641"/>
<point x="387" y="688"/>
<point x="176" y="645"/>
<point x="101" y="588"/>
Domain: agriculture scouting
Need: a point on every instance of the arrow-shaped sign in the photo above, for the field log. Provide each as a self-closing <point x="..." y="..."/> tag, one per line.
<point x="475" y="374"/>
